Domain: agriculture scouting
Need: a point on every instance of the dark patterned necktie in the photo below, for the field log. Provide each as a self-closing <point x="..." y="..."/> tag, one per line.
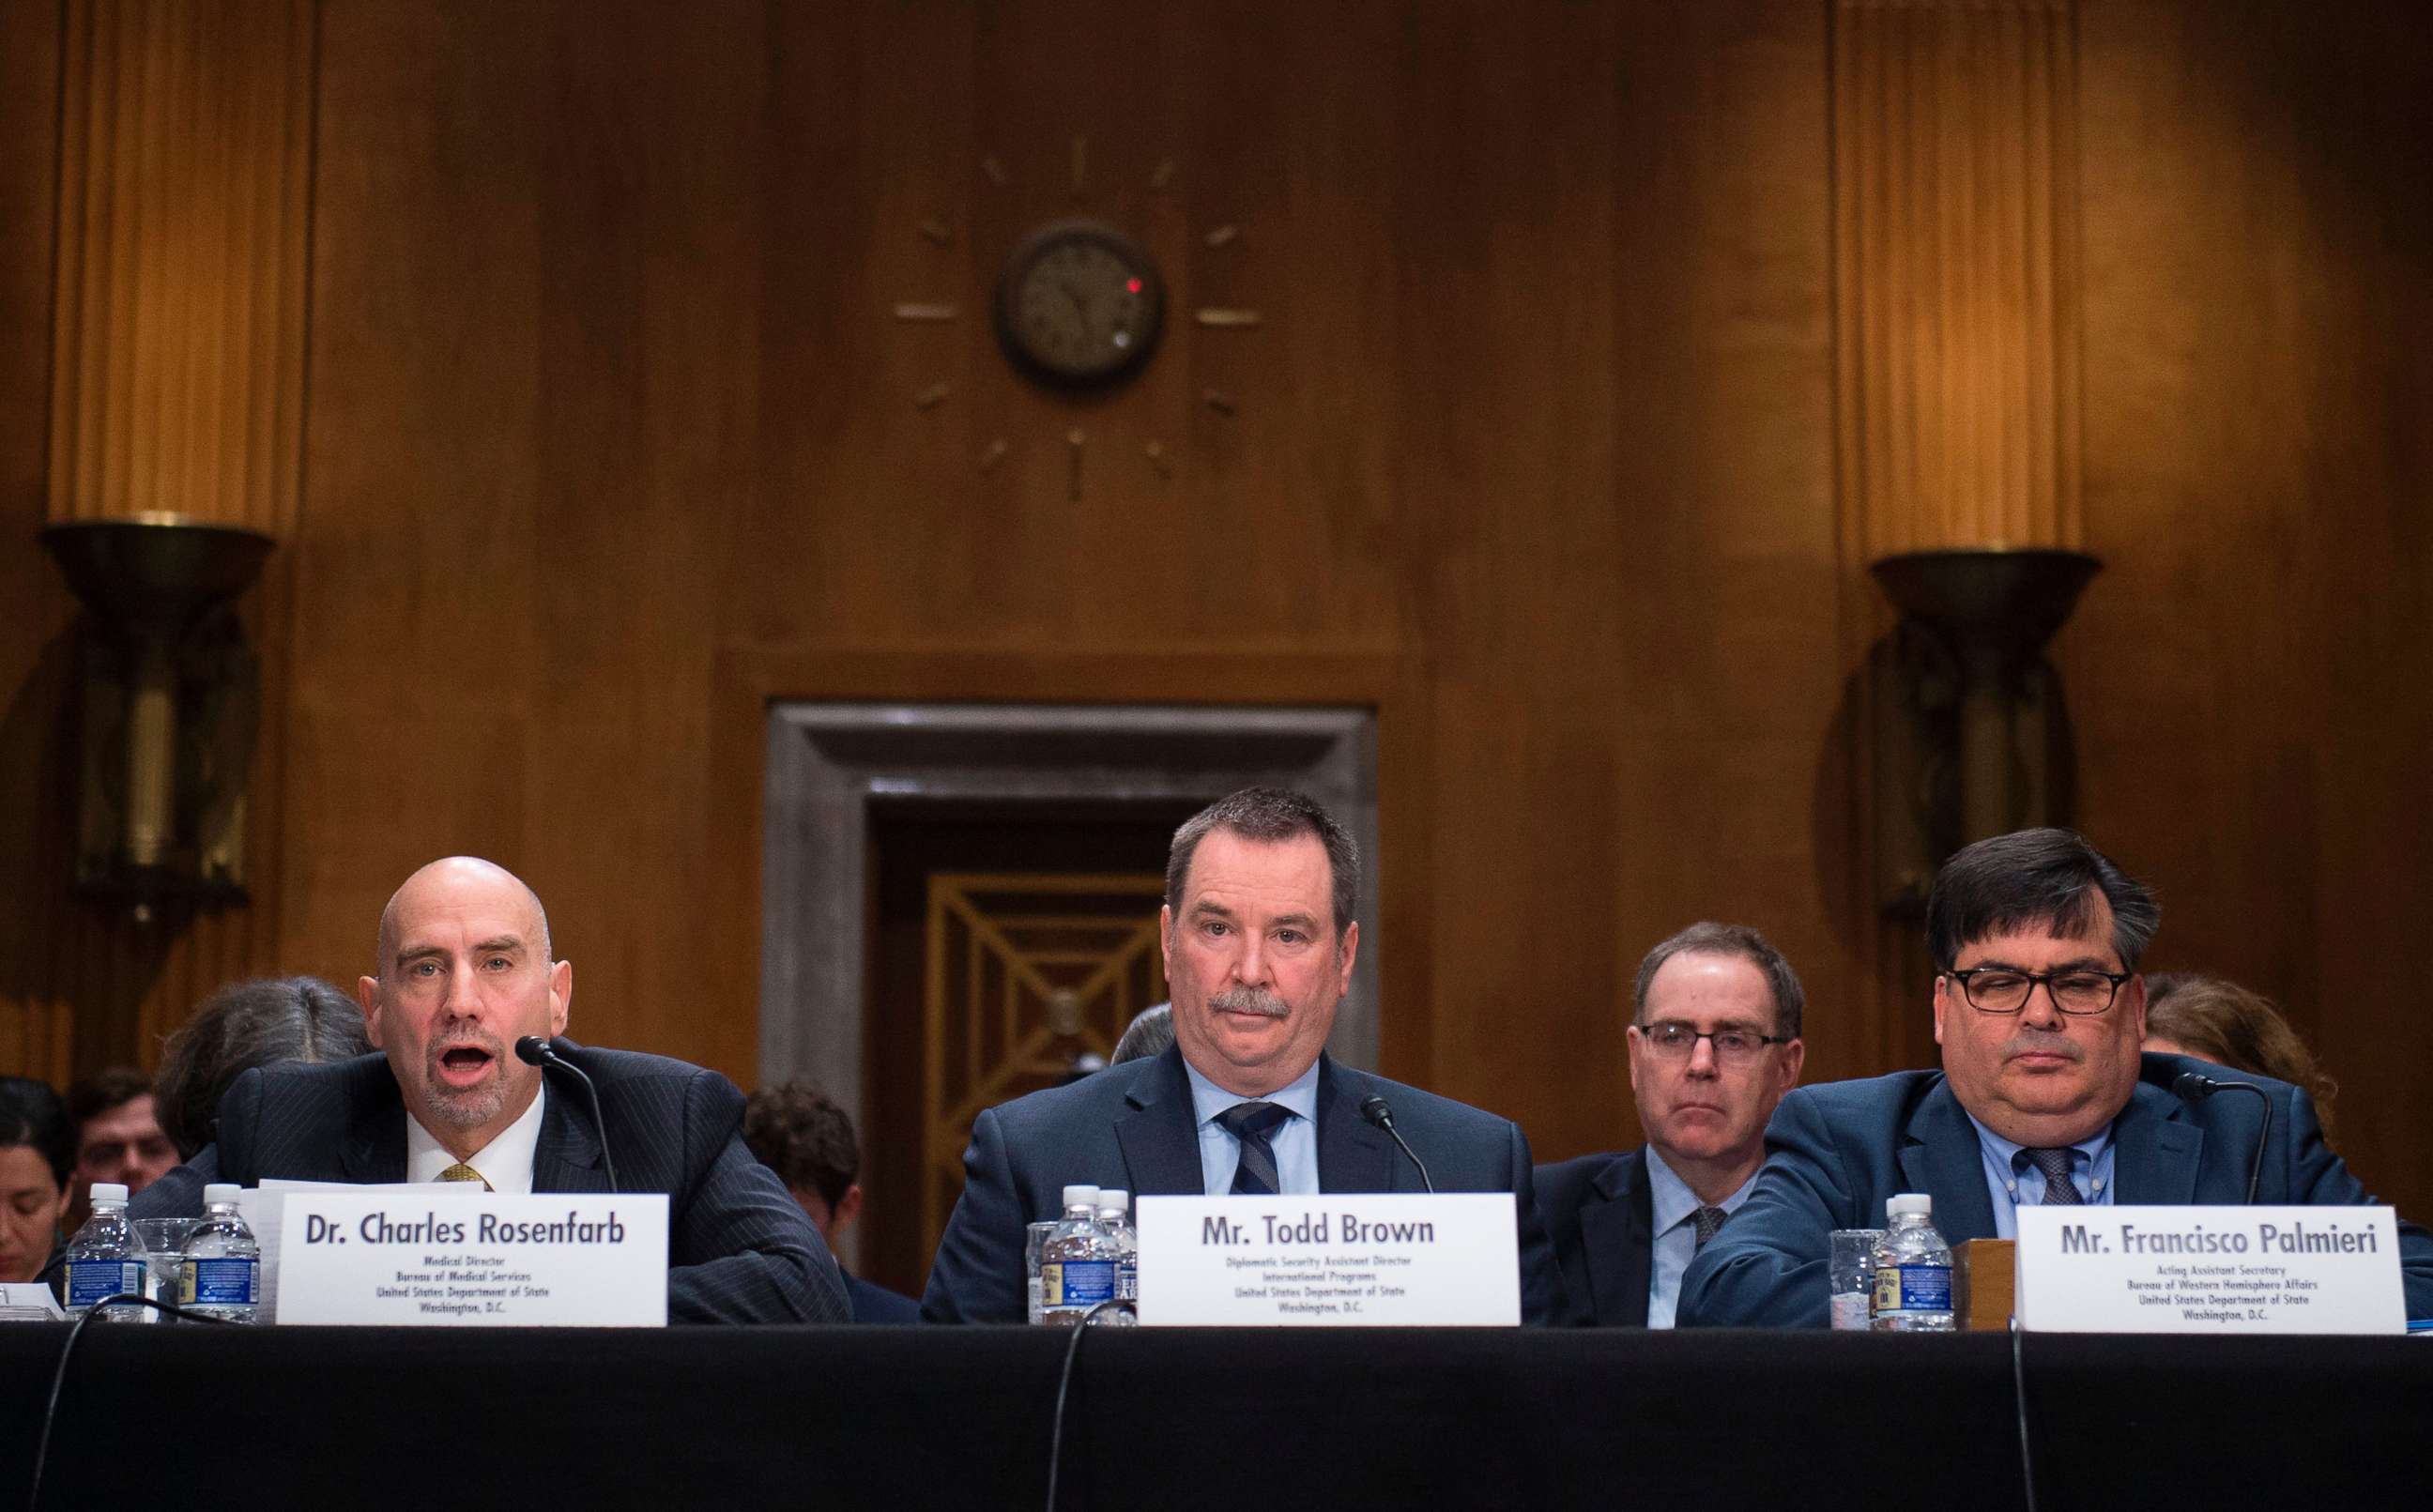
<point x="2060" y="1191"/>
<point x="1251" y="1123"/>
<point x="1708" y="1221"/>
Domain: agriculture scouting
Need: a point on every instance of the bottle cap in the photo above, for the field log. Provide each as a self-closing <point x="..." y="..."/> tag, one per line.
<point x="1081" y="1197"/>
<point x="1115" y="1198"/>
<point x="109" y="1192"/>
<point x="1917" y="1202"/>
<point x="221" y="1192"/>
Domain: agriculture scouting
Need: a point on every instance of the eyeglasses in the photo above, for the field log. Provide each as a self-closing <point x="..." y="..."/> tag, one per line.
<point x="1675" y="1041"/>
<point x="2004" y="990"/>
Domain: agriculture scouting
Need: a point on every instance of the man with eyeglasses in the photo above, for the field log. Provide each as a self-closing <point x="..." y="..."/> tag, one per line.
<point x="2043" y="1099"/>
<point x="1713" y="1043"/>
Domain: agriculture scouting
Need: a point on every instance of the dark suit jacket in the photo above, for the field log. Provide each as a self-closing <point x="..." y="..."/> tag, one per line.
<point x="1131" y="1125"/>
<point x="1601" y="1217"/>
<point x="739" y="1248"/>
<point x="874" y="1303"/>
<point x="1836" y="1152"/>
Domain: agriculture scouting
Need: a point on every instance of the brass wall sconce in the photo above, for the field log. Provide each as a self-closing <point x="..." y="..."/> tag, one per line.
<point x="169" y="695"/>
<point x="1974" y="739"/>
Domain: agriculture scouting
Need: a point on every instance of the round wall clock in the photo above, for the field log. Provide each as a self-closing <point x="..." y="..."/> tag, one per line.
<point x="1079" y="304"/>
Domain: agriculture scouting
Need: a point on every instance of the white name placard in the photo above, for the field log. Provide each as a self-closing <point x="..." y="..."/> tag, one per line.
<point x="1372" y="1258"/>
<point x="407" y="1257"/>
<point x="2209" y="1270"/>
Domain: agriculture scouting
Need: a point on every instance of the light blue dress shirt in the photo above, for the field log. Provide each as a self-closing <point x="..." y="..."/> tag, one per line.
<point x="2023" y="1187"/>
<point x="1295" y="1142"/>
<point x="1671" y="1207"/>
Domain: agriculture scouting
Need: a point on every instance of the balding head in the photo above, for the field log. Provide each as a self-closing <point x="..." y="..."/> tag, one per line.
<point x="453" y="877"/>
<point x="464" y="971"/>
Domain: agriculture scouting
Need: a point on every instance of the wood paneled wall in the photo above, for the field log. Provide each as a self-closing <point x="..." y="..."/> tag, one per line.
<point x="611" y="432"/>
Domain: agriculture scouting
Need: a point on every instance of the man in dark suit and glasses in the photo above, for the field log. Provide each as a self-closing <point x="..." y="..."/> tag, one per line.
<point x="2044" y="1098"/>
<point x="465" y="970"/>
<point x="1259" y="940"/>
<point x="1714" y="1044"/>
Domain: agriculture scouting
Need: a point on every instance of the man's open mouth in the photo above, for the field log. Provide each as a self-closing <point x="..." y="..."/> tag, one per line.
<point x="464" y="1065"/>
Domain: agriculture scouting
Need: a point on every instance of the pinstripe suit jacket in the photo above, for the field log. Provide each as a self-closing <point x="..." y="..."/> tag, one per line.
<point x="740" y="1251"/>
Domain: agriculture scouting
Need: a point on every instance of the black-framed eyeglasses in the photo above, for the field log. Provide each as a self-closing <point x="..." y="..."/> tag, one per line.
<point x="2005" y="989"/>
<point x="1675" y="1041"/>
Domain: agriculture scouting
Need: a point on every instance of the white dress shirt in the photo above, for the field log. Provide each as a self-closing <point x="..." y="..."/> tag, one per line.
<point x="505" y="1163"/>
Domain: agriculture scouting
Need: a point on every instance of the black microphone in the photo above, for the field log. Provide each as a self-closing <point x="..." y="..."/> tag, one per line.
<point x="2196" y="1087"/>
<point x="1376" y="1111"/>
<point x="534" y="1050"/>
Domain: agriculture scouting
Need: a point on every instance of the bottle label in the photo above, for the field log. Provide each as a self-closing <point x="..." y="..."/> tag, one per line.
<point x="1913" y="1289"/>
<point x="233" y="1280"/>
<point x="90" y="1280"/>
<point x="1126" y="1282"/>
<point x="1080" y="1283"/>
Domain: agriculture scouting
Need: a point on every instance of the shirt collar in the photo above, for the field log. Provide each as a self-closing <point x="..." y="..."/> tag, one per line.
<point x="1669" y="1200"/>
<point x="2003" y="1153"/>
<point x="505" y="1163"/>
<point x="1208" y="1100"/>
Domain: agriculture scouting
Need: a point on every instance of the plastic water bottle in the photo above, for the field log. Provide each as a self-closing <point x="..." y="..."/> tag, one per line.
<point x="1913" y="1269"/>
<point x="1077" y="1264"/>
<point x="1115" y="1215"/>
<point x="105" y="1258"/>
<point x="222" y="1274"/>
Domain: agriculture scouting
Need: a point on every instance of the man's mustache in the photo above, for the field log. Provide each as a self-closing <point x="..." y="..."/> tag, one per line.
<point x="2032" y="1042"/>
<point x="1251" y="1000"/>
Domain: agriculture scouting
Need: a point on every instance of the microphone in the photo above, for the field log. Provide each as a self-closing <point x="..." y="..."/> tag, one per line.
<point x="534" y="1050"/>
<point x="1376" y="1111"/>
<point x="2196" y="1087"/>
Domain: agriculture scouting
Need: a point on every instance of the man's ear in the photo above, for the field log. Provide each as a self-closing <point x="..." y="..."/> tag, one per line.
<point x="1942" y="999"/>
<point x="561" y="995"/>
<point x="1350" y="953"/>
<point x="368" y="997"/>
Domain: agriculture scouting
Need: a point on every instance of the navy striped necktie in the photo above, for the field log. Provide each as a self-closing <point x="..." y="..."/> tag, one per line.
<point x="1251" y="1123"/>
<point x="2060" y="1191"/>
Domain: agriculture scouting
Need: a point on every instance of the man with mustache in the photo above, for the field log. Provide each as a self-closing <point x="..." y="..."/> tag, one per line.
<point x="1714" y="1044"/>
<point x="2044" y="1097"/>
<point x="464" y="971"/>
<point x="1259" y="939"/>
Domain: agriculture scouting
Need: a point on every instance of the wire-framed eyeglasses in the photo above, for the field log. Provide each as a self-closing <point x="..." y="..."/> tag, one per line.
<point x="1675" y="1041"/>
<point x="2005" y="989"/>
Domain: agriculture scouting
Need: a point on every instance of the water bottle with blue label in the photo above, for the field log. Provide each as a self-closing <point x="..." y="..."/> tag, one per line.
<point x="222" y="1274"/>
<point x="1913" y="1269"/>
<point x="1077" y="1264"/>
<point x="105" y="1258"/>
<point x="1115" y="1215"/>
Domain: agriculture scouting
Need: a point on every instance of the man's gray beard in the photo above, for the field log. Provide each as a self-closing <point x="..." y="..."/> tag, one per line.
<point x="468" y="1109"/>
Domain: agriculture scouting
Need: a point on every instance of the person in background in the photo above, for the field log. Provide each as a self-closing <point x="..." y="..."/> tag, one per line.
<point x="118" y="1137"/>
<point x="37" y="1156"/>
<point x="807" y="1140"/>
<point x="1714" y="1044"/>
<point x="1149" y="1032"/>
<point x="270" y="1021"/>
<point x="2213" y="1020"/>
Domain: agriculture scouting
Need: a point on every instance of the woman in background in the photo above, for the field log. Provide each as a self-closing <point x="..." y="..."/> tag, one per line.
<point x="37" y="1151"/>
<point x="2213" y="1020"/>
<point x="242" y="1026"/>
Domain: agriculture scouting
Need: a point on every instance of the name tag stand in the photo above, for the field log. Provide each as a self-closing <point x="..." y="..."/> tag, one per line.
<point x="2211" y="1270"/>
<point x="411" y="1257"/>
<point x="1372" y="1260"/>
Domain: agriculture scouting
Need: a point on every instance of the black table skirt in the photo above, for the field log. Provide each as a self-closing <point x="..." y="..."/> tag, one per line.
<point x="1411" y="1418"/>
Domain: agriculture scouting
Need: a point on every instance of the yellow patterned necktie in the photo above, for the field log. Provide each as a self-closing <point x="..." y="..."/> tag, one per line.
<point x="462" y="1172"/>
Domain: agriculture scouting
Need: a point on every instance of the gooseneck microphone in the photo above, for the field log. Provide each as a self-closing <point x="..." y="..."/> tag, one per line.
<point x="1376" y="1111"/>
<point x="2196" y="1087"/>
<point x="534" y="1050"/>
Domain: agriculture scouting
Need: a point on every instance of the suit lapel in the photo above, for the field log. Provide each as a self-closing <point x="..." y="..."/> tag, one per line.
<point x="1159" y="1133"/>
<point x="1941" y="1157"/>
<point x="372" y="1149"/>
<point x="2156" y="1150"/>
<point x="1615" y="1234"/>
<point x="1353" y="1155"/>
<point x="565" y="1158"/>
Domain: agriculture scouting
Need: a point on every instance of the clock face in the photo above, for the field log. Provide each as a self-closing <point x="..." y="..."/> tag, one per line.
<point x="1079" y="303"/>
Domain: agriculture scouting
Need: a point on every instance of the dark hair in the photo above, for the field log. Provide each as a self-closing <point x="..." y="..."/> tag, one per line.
<point x="31" y="1114"/>
<point x="2228" y="1025"/>
<point x="244" y="1024"/>
<point x="1149" y="1032"/>
<point x="1269" y="816"/>
<point x="1739" y="940"/>
<point x="797" y="1133"/>
<point x="2035" y="876"/>
<point x="102" y="1091"/>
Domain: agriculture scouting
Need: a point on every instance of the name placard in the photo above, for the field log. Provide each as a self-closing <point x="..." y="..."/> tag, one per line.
<point x="544" y="1259"/>
<point x="1374" y="1258"/>
<point x="2211" y="1270"/>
